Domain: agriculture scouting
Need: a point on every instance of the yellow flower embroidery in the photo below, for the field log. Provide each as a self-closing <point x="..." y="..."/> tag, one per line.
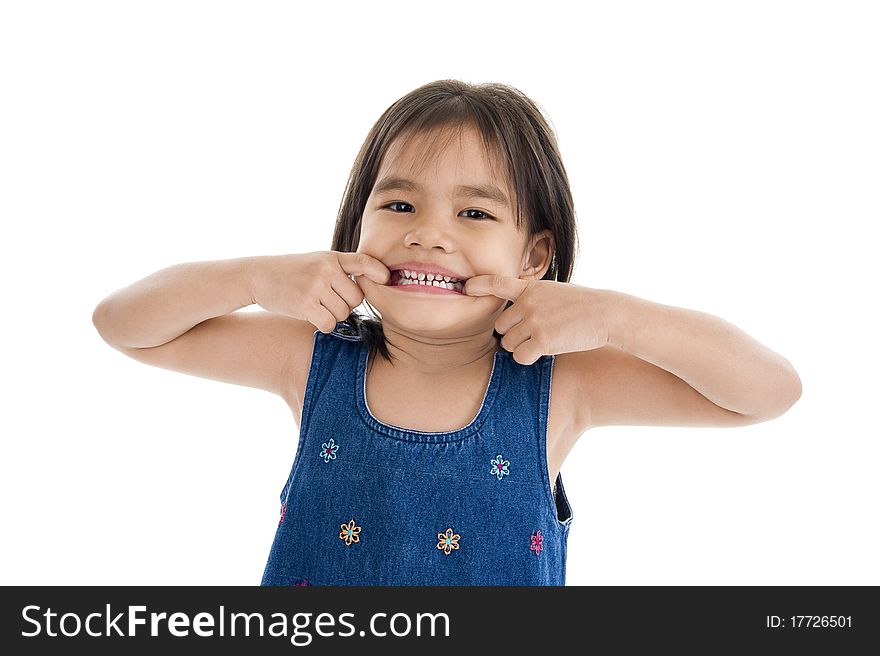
<point x="448" y="541"/>
<point x="350" y="533"/>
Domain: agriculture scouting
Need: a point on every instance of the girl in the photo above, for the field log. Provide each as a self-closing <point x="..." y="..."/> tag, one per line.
<point x="432" y="432"/>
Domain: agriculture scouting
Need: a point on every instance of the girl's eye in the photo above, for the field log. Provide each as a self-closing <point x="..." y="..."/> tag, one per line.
<point x="483" y="216"/>
<point x="479" y="212"/>
<point x="397" y="202"/>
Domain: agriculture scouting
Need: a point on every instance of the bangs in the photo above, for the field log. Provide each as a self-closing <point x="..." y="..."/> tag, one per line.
<point x="437" y="138"/>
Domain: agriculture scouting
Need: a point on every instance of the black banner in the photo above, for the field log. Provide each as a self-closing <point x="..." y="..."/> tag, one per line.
<point x="48" y="620"/>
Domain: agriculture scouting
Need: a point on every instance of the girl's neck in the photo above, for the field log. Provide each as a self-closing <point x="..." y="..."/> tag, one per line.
<point x="434" y="362"/>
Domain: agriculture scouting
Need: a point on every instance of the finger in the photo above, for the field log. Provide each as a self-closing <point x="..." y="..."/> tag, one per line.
<point x="528" y="352"/>
<point x="361" y="264"/>
<point x="335" y="304"/>
<point x="322" y="319"/>
<point x="364" y="283"/>
<point x="515" y="336"/>
<point x="495" y="285"/>
<point x="349" y="290"/>
<point x="508" y="319"/>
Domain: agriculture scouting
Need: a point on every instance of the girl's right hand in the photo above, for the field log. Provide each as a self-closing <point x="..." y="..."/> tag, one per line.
<point x="314" y="287"/>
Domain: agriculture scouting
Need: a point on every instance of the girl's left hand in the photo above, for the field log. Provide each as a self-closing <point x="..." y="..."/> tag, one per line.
<point x="547" y="317"/>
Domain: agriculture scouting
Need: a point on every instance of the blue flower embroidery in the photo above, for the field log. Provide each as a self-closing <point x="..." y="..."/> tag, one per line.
<point x="499" y="467"/>
<point x="328" y="450"/>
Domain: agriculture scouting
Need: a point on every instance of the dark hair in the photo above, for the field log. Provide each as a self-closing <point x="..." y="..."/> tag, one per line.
<point x="512" y="126"/>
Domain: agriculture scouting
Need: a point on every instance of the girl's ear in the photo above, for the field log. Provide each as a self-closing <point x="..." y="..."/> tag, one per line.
<point x="540" y="254"/>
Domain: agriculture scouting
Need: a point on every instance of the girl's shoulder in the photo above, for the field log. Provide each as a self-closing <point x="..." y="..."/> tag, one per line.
<point x="301" y="363"/>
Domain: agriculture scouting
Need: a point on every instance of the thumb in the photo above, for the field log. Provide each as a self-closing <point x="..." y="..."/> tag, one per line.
<point x="361" y="264"/>
<point x="495" y="285"/>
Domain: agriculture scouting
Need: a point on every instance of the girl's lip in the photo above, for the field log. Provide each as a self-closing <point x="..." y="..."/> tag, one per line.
<point x="426" y="289"/>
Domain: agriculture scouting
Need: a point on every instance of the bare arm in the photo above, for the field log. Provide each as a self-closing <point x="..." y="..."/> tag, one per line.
<point x="164" y="305"/>
<point x="717" y="359"/>
<point x="184" y="318"/>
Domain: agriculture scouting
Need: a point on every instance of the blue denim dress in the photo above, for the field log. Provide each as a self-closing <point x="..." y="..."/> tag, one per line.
<point x="369" y="503"/>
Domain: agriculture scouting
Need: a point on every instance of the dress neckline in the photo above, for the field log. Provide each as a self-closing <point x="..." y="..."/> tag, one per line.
<point x="408" y="434"/>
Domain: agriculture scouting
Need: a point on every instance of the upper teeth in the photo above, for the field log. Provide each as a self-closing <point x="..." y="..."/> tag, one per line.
<point x="427" y="276"/>
<point x="434" y="279"/>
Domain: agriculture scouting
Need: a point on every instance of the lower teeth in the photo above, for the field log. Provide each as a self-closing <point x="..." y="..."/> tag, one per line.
<point x="425" y="283"/>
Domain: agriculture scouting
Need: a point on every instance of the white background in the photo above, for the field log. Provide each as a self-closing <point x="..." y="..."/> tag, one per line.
<point x="723" y="157"/>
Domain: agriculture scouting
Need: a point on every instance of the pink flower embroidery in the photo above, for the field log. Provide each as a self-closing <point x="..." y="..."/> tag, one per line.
<point x="283" y="510"/>
<point x="537" y="543"/>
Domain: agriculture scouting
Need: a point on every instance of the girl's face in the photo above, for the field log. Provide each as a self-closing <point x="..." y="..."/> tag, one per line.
<point x="455" y="214"/>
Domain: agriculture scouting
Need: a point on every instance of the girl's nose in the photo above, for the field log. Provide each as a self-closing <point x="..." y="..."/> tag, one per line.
<point x="431" y="230"/>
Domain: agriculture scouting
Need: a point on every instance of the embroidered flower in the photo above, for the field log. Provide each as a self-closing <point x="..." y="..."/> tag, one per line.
<point x="448" y="541"/>
<point x="537" y="543"/>
<point x="350" y="533"/>
<point x="499" y="467"/>
<point x="283" y="510"/>
<point x="328" y="450"/>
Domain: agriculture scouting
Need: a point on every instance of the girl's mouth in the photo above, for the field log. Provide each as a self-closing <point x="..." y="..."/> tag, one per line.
<point x="420" y="283"/>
